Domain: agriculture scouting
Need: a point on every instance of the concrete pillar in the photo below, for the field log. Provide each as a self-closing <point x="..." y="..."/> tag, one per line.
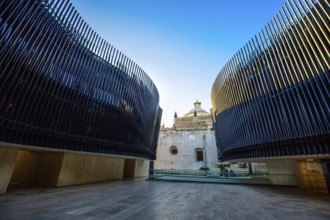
<point x="7" y="162"/>
<point x="282" y="172"/>
<point x="325" y="164"/>
<point x="129" y="168"/>
<point x="136" y="168"/>
<point x="142" y="168"/>
<point x="82" y="169"/>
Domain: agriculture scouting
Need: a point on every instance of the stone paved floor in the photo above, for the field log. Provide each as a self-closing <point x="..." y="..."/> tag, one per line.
<point x="140" y="199"/>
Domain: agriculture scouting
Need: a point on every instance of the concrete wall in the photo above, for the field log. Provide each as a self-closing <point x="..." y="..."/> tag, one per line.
<point x="7" y="162"/>
<point x="186" y="143"/>
<point x="57" y="169"/>
<point x="311" y="176"/>
<point x="141" y="168"/>
<point x="258" y="168"/>
<point x="64" y="169"/>
<point x="81" y="169"/>
<point x="136" y="168"/>
<point x="37" y="168"/>
<point x="129" y="168"/>
<point x="307" y="174"/>
<point x="282" y="172"/>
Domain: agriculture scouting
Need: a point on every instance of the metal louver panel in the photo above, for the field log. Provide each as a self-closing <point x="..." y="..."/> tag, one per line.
<point x="63" y="87"/>
<point x="273" y="97"/>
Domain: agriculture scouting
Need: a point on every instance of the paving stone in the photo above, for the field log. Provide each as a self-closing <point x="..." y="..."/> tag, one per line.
<point x="140" y="199"/>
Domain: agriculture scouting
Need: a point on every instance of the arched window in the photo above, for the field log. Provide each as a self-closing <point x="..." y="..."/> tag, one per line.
<point x="173" y="150"/>
<point x="199" y="154"/>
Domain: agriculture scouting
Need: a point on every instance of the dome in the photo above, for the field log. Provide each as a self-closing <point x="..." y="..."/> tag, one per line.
<point x="197" y="110"/>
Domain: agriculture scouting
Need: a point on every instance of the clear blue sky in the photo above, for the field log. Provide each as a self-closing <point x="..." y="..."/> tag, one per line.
<point x="180" y="44"/>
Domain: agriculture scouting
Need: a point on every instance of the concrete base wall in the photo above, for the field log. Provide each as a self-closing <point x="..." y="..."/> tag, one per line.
<point x="7" y="162"/>
<point x="129" y="168"/>
<point x="311" y="176"/>
<point x="141" y="168"/>
<point x="282" y="172"/>
<point x="307" y="174"/>
<point x="65" y="169"/>
<point x="37" y="168"/>
<point x="82" y="169"/>
<point x="259" y="168"/>
<point x="136" y="168"/>
<point x="56" y="169"/>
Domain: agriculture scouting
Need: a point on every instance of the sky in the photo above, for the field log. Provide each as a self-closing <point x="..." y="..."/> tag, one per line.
<point x="181" y="44"/>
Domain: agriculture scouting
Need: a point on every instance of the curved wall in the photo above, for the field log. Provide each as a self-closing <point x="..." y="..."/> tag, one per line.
<point x="272" y="98"/>
<point x="62" y="86"/>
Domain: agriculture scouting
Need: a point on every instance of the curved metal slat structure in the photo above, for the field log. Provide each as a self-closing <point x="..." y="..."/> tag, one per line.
<point x="273" y="97"/>
<point x="63" y="87"/>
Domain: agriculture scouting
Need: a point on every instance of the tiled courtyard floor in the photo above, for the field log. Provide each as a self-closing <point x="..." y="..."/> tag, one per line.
<point x="140" y="199"/>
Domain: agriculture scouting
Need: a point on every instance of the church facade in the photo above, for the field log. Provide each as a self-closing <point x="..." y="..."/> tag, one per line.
<point x="189" y="144"/>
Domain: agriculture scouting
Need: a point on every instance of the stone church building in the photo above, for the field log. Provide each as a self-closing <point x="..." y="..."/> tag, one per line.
<point x="189" y="144"/>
